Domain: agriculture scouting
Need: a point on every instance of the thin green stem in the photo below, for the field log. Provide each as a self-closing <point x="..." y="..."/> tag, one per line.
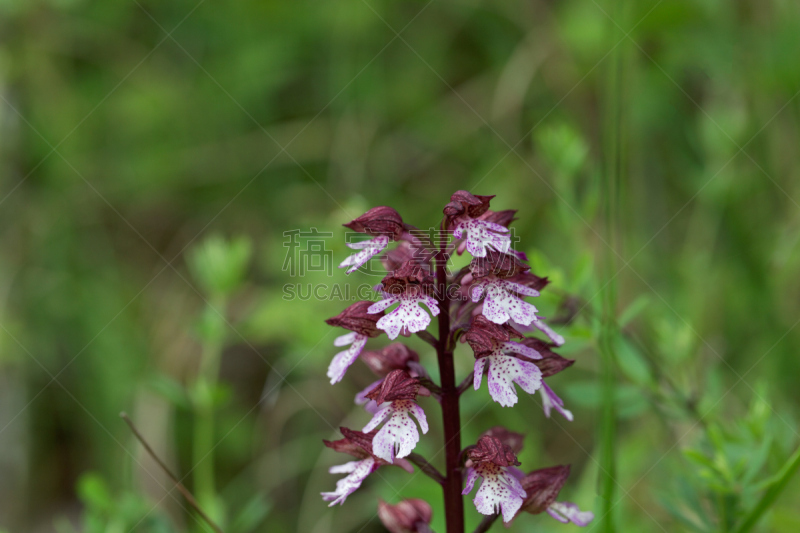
<point x="609" y="331"/>
<point x="785" y="474"/>
<point x="203" y="437"/>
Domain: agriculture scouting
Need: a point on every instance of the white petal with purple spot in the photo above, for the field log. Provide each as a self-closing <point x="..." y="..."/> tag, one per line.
<point x="544" y="328"/>
<point x="357" y="471"/>
<point x="366" y="250"/>
<point x="569" y="512"/>
<point x="398" y="437"/>
<point x="500" y="305"/>
<point x="342" y="360"/>
<point x="499" y="491"/>
<point x="482" y="235"/>
<point x="506" y="370"/>
<point x="408" y="316"/>
<point x="551" y="401"/>
<point x="521" y="349"/>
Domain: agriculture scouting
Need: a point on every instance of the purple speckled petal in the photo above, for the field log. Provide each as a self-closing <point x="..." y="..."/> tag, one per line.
<point x="493" y="226"/>
<point x="516" y="347"/>
<point x="377" y="307"/>
<point x="501" y="306"/>
<point x="419" y="414"/>
<point x="431" y="303"/>
<point x="516" y="471"/>
<point x="472" y="475"/>
<point x="504" y="371"/>
<point x="498" y="490"/>
<point x="476" y="291"/>
<point x="378" y="417"/>
<point x="399" y="436"/>
<point x="551" y="401"/>
<point x="358" y="471"/>
<point x="344" y="340"/>
<point x="342" y="360"/>
<point x="408" y="316"/>
<point x="478" y="374"/>
<point x="516" y="287"/>
<point x="346" y="468"/>
<point x="544" y="328"/>
<point x="569" y="512"/>
<point x="482" y="235"/>
<point x="367" y="250"/>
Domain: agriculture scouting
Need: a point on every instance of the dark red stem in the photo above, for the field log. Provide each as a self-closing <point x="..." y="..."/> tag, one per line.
<point x="453" y="501"/>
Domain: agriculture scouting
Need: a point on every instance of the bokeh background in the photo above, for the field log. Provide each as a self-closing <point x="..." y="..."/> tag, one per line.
<point x="155" y="153"/>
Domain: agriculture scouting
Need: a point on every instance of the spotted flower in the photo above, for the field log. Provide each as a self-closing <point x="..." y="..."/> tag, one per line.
<point x="359" y="445"/>
<point x="384" y="224"/>
<point x="410" y="285"/>
<point x="541" y="490"/>
<point x="395" y="396"/>
<point x="503" y="372"/>
<point x="500" y="490"/>
<point x="502" y="302"/>
<point x="491" y="345"/>
<point x="362" y="325"/>
<point x="463" y="218"/>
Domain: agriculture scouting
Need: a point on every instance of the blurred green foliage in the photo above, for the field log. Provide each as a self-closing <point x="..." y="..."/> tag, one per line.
<point x="134" y="129"/>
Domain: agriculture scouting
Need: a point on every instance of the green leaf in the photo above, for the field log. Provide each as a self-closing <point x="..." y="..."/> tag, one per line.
<point x="93" y="491"/>
<point x="170" y="390"/>
<point x="632" y="363"/>
<point x="252" y="514"/>
<point x="218" y="265"/>
<point x="633" y="310"/>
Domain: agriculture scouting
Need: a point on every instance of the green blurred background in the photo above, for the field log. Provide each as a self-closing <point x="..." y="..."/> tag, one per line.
<point x="133" y="131"/>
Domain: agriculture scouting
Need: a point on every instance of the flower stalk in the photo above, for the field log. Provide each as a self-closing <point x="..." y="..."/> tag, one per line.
<point x="451" y="416"/>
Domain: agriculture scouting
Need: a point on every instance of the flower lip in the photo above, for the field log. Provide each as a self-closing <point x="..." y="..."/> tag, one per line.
<point x="395" y="356"/>
<point x="542" y="487"/>
<point x="492" y="450"/>
<point x="397" y="385"/>
<point x="356" y="318"/>
<point x="509" y="438"/>
<point x="378" y="221"/>
<point x="498" y="264"/>
<point x="464" y="203"/>
<point x="483" y="335"/>
<point x="408" y="516"/>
